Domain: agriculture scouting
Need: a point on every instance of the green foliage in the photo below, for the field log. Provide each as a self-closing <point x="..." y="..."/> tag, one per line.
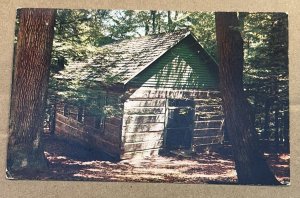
<point x="79" y="33"/>
<point x="203" y="26"/>
<point x="266" y="69"/>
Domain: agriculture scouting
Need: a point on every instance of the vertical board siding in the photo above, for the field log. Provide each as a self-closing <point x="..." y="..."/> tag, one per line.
<point x="182" y="67"/>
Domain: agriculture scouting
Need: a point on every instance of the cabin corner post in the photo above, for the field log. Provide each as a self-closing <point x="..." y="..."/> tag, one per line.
<point x="123" y="99"/>
<point x="165" y="123"/>
<point x="143" y="123"/>
<point x="52" y="115"/>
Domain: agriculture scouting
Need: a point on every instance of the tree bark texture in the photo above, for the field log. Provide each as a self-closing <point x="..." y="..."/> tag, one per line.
<point x="286" y="134"/>
<point x="52" y="118"/>
<point x="249" y="162"/>
<point x="266" y="134"/>
<point x="153" y="15"/>
<point x="169" y="22"/>
<point x="29" y="90"/>
<point x="276" y="135"/>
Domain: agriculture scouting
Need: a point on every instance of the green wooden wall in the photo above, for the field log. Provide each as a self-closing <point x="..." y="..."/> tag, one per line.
<point x="185" y="66"/>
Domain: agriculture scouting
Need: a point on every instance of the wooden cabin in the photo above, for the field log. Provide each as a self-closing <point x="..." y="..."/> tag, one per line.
<point x="167" y="91"/>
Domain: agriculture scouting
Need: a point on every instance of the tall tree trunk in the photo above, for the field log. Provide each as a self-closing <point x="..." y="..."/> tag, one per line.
<point x="52" y="118"/>
<point x="146" y="28"/>
<point x="30" y="83"/>
<point x="249" y="162"/>
<point x="276" y="116"/>
<point x="158" y="22"/>
<point x="286" y="131"/>
<point x="176" y="16"/>
<point x="276" y="136"/>
<point x="170" y="24"/>
<point x="153" y="15"/>
<point x="241" y="17"/>
<point x="66" y="109"/>
<point x="267" y="109"/>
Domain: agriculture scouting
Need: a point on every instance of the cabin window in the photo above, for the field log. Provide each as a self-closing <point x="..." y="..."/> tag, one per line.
<point x="80" y="114"/>
<point x="100" y="123"/>
<point x="66" y="110"/>
<point x="100" y="119"/>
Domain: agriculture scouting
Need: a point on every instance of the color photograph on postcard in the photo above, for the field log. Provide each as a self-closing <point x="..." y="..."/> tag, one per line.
<point x="150" y="96"/>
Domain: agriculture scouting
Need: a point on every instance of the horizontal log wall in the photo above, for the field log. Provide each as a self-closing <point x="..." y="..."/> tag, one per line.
<point x="208" y="121"/>
<point x="112" y="130"/>
<point x="152" y="93"/>
<point x="145" y="113"/>
<point x="143" y="126"/>
<point x="107" y="140"/>
<point x="140" y="131"/>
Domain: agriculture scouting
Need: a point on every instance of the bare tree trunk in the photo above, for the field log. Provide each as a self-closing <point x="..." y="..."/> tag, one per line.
<point x="153" y="15"/>
<point x="249" y="162"/>
<point x="29" y="90"/>
<point x="242" y="16"/>
<point x="66" y="109"/>
<point x="266" y="133"/>
<point x="286" y="131"/>
<point x="158" y="15"/>
<point x="146" y="28"/>
<point x="277" y="128"/>
<point x="52" y="118"/>
<point x="169" y="22"/>
<point x="276" y="116"/>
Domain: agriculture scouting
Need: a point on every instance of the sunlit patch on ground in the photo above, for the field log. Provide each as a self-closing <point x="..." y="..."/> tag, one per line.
<point x="72" y="162"/>
<point x="284" y="157"/>
<point x="280" y="163"/>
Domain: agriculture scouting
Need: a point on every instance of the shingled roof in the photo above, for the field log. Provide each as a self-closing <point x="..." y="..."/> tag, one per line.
<point x="124" y="59"/>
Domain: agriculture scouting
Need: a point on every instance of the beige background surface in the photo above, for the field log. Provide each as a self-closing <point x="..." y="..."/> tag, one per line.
<point x="100" y="189"/>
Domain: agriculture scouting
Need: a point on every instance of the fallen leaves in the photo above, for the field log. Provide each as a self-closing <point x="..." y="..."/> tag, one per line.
<point x="73" y="162"/>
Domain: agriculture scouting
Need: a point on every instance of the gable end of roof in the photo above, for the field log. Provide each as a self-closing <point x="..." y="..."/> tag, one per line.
<point x="160" y="55"/>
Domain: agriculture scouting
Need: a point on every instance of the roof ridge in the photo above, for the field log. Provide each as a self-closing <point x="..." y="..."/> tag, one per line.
<point x="184" y="30"/>
<point x="173" y="32"/>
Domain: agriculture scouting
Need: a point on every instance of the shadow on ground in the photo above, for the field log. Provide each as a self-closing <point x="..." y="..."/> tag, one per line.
<point x="70" y="161"/>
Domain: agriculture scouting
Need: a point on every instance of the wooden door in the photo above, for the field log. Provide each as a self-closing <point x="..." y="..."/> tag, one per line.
<point x="179" y="124"/>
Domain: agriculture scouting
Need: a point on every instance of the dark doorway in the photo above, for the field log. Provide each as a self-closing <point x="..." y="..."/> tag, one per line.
<point x="179" y="125"/>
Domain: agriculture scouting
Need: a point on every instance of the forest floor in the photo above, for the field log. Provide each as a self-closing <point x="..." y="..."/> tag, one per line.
<point x="69" y="161"/>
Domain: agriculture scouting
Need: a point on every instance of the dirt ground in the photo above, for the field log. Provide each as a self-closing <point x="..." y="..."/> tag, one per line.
<point x="69" y="161"/>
